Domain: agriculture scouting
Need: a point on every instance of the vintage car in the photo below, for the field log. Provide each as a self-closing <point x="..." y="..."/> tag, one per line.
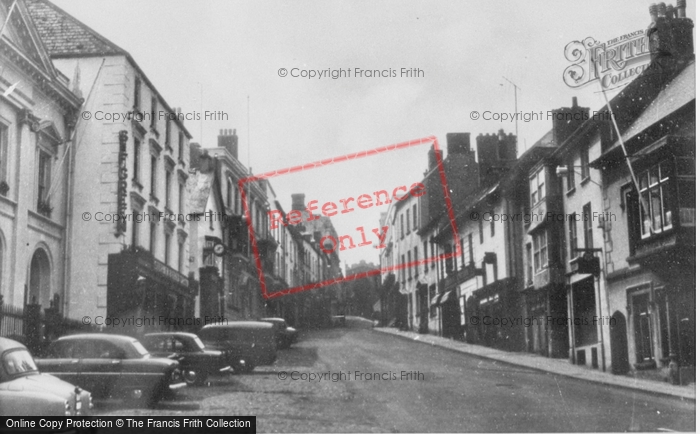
<point x="112" y="366"/>
<point x="247" y="344"/>
<point x="24" y="391"/>
<point x="196" y="361"/>
<point x="286" y="335"/>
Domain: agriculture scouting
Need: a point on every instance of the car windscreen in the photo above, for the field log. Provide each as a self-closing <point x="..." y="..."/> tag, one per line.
<point x="140" y="348"/>
<point x="199" y="342"/>
<point x="18" y="362"/>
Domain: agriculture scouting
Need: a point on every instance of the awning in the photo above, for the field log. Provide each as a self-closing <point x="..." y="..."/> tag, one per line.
<point x="446" y="296"/>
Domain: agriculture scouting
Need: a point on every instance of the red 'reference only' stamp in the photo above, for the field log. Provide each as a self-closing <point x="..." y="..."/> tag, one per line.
<point x="329" y="244"/>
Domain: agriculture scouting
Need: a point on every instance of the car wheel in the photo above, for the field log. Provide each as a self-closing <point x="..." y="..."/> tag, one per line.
<point x="195" y="378"/>
<point x="244" y="367"/>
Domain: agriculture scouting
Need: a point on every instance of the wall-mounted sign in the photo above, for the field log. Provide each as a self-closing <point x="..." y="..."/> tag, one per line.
<point x="120" y="228"/>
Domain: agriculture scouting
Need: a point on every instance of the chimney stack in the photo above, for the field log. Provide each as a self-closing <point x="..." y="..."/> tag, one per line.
<point x="567" y="119"/>
<point x="670" y="33"/>
<point x="229" y="140"/>
<point x="298" y="202"/>
<point x="457" y="143"/>
<point x="432" y="158"/>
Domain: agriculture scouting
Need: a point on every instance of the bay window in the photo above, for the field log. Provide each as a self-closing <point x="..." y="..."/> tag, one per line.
<point x="539" y="245"/>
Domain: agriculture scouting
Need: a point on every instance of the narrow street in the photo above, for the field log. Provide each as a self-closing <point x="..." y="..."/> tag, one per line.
<point x="456" y="393"/>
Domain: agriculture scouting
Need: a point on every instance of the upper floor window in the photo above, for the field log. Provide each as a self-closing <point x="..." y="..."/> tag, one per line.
<point x="137" y="94"/>
<point x="168" y="183"/>
<point x="402" y="227"/>
<point x="43" y="183"/>
<point x="539" y="245"/>
<point x="3" y="151"/>
<point x="656" y="210"/>
<point x="573" y="238"/>
<point x="528" y="262"/>
<point x="137" y="160"/>
<point x="181" y="198"/>
<point x="167" y="131"/>
<point x="180" y="146"/>
<point x="585" y="167"/>
<point x="570" y="176"/>
<point x="229" y="193"/>
<point x="415" y="257"/>
<point x="537" y="187"/>
<point x="415" y="217"/>
<point x="587" y="226"/>
<point x="154" y="112"/>
<point x="154" y="175"/>
<point x="425" y="255"/>
<point x="408" y="221"/>
<point x="168" y="238"/>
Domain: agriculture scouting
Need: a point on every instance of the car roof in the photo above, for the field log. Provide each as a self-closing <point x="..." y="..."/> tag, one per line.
<point x="98" y="336"/>
<point x="9" y="344"/>
<point x="273" y="319"/>
<point x="181" y="334"/>
<point x="239" y="325"/>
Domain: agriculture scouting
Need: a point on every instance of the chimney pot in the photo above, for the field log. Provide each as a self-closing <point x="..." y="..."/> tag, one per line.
<point x="653" y="12"/>
<point x="574" y="102"/>
<point x="670" y="12"/>
<point x="661" y="9"/>
<point x="680" y="7"/>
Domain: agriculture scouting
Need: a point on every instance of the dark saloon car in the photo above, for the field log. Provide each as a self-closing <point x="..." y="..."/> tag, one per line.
<point x="247" y="344"/>
<point x="112" y="366"/>
<point x="286" y="335"/>
<point x="24" y="391"/>
<point x="196" y="362"/>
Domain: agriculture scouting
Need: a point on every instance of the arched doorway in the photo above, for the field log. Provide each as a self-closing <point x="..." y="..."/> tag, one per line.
<point x="39" y="290"/>
<point x="618" y="337"/>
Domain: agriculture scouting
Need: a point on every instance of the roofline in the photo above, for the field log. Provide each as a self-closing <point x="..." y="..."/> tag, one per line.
<point x="118" y="52"/>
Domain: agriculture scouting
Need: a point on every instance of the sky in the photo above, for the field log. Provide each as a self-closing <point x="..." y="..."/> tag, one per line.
<point x="226" y="56"/>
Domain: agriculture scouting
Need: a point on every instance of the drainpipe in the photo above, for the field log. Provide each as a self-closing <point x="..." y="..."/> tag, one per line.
<point x="69" y="224"/>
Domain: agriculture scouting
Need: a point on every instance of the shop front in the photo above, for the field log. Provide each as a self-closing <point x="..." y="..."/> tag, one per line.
<point x="144" y="294"/>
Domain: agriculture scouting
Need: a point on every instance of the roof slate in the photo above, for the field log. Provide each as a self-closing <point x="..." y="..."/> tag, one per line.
<point x="64" y="36"/>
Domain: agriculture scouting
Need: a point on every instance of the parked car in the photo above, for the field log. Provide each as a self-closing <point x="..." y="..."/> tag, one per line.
<point x="286" y="335"/>
<point x="24" y="391"/>
<point x="196" y="361"/>
<point x="247" y="344"/>
<point x="112" y="366"/>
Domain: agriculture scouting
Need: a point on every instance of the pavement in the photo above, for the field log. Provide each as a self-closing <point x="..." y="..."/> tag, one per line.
<point x="554" y="366"/>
